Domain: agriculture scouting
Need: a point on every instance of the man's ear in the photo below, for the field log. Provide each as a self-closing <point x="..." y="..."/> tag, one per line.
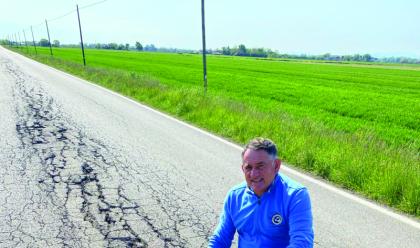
<point x="277" y="164"/>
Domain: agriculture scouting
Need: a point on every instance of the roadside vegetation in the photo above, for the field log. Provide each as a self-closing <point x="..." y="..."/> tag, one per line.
<point x="357" y="125"/>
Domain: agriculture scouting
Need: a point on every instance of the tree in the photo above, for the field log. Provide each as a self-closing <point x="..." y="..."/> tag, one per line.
<point x="127" y="46"/>
<point x="112" y="46"/>
<point x="357" y="57"/>
<point x="150" y="48"/>
<point x="326" y="56"/>
<point x="367" y="57"/>
<point x="257" y="52"/>
<point x="56" y="43"/>
<point x="241" y="50"/>
<point x="139" y="47"/>
<point x="226" y="50"/>
<point x="346" y="57"/>
<point x="44" y="43"/>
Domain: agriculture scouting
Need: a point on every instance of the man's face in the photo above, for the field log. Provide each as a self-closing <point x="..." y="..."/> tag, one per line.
<point x="259" y="170"/>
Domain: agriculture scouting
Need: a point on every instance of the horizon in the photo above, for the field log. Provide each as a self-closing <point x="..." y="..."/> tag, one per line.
<point x="132" y="46"/>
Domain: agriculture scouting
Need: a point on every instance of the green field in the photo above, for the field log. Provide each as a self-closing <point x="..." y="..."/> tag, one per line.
<point x="357" y="125"/>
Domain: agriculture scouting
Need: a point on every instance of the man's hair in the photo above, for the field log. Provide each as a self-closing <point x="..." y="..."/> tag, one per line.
<point x="264" y="144"/>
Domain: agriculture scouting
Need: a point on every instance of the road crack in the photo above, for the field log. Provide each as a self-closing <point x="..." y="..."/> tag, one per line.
<point x="87" y="185"/>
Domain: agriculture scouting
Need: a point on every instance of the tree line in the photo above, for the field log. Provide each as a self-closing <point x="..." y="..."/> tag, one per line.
<point x="115" y="46"/>
<point x="240" y="50"/>
<point x="40" y="43"/>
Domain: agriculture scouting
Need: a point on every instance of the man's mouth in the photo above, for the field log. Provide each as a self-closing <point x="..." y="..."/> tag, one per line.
<point x="256" y="181"/>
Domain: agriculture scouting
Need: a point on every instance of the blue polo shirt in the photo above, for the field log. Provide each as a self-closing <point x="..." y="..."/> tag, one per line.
<point x="281" y="217"/>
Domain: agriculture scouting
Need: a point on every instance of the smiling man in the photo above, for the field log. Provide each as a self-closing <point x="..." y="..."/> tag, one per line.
<point x="269" y="209"/>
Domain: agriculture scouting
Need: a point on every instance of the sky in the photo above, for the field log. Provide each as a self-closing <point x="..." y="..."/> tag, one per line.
<point x="378" y="27"/>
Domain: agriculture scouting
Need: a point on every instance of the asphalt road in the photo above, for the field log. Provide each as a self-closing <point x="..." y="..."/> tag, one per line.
<point x="81" y="166"/>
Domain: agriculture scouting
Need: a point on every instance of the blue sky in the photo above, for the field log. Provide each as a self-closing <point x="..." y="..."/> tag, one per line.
<point x="378" y="27"/>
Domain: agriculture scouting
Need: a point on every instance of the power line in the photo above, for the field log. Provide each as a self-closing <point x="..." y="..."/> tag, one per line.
<point x="74" y="10"/>
<point x="92" y="4"/>
<point x="62" y="16"/>
<point x="38" y="25"/>
<point x="68" y="13"/>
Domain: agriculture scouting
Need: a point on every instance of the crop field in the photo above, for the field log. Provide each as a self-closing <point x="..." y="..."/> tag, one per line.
<point x="355" y="124"/>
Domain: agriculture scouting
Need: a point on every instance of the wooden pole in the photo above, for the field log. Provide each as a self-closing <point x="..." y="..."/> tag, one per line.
<point x="81" y="37"/>
<point x="49" y="40"/>
<point x="203" y="31"/>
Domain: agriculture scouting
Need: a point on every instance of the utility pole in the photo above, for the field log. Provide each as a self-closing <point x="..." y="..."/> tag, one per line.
<point x="26" y="43"/>
<point x="33" y="40"/>
<point x="19" y="39"/>
<point x="203" y="30"/>
<point x="49" y="40"/>
<point x="81" y="38"/>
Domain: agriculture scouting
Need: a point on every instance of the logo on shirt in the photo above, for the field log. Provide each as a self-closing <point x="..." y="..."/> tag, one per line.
<point x="277" y="219"/>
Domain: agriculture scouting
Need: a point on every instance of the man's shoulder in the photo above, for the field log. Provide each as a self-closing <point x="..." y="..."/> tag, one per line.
<point x="236" y="195"/>
<point x="291" y="192"/>
<point x="238" y="189"/>
<point x="290" y="184"/>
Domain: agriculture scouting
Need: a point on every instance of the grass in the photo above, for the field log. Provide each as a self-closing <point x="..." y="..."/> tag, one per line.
<point x="357" y="125"/>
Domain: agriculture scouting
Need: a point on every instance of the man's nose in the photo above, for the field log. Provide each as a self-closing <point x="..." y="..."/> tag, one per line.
<point x="255" y="172"/>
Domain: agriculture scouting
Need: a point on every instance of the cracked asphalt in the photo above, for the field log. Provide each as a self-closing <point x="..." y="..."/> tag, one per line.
<point x="61" y="186"/>
<point x="82" y="167"/>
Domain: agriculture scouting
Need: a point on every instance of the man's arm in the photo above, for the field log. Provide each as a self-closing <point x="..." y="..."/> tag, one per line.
<point x="300" y="220"/>
<point x="225" y="230"/>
